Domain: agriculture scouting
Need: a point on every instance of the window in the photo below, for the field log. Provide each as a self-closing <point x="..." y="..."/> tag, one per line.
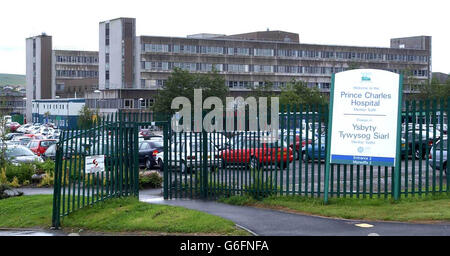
<point x="184" y="49"/>
<point x="128" y="103"/>
<point x="211" y="50"/>
<point x="156" y="48"/>
<point x="263" y="68"/>
<point x="264" y="52"/>
<point x="144" y="146"/>
<point x="208" y="67"/>
<point x="238" y="68"/>
<point x="186" y="66"/>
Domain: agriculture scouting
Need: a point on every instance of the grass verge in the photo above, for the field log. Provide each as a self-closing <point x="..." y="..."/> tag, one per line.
<point x="116" y="215"/>
<point x="423" y="209"/>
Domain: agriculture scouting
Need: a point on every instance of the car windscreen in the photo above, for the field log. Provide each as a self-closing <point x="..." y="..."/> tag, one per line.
<point x="18" y="151"/>
<point x="47" y="143"/>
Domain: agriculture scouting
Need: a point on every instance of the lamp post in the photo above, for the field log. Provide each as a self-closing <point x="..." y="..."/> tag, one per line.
<point x="140" y="107"/>
<point x="98" y="98"/>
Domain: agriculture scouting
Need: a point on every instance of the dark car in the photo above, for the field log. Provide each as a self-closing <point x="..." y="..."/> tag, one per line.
<point x="148" y="151"/>
<point x="50" y="153"/>
<point x="148" y="134"/>
<point x="11" y="135"/>
<point x="418" y="143"/>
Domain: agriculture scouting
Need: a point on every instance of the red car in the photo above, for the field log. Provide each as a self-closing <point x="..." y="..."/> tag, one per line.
<point x="40" y="146"/>
<point x="250" y="153"/>
<point x="13" y="126"/>
<point x="300" y="143"/>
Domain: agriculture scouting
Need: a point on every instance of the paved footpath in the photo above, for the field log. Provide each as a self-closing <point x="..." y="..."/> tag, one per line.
<point x="267" y="222"/>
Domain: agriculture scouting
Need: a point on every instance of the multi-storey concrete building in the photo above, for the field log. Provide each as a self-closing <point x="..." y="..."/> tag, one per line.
<point x="74" y="73"/>
<point x="57" y="73"/>
<point x="133" y="68"/>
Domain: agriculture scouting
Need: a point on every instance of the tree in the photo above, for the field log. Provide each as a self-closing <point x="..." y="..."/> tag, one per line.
<point x="297" y="92"/>
<point x="434" y="90"/>
<point x="86" y="118"/>
<point x="181" y="83"/>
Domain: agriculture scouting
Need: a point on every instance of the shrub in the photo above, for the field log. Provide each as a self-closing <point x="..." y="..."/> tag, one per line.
<point x="22" y="172"/>
<point x="45" y="167"/>
<point x="3" y="179"/>
<point x="14" y="183"/>
<point x="47" y="180"/>
<point x="260" y="188"/>
<point x="150" y="179"/>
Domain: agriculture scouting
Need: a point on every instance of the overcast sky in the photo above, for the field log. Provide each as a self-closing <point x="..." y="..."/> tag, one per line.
<point x="74" y="24"/>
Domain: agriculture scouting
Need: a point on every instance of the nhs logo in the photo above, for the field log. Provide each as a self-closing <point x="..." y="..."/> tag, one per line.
<point x="366" y="77"/>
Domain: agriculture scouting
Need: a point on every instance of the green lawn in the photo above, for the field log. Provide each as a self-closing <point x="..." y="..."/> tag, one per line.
<point x="418" y="209"/>
<point x="115" y="215"/>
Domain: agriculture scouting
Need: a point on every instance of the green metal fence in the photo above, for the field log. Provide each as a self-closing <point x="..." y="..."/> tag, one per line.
<point x="254" y="163"/>
<point x="113" y="137"/>
<point x="211" y="165"/>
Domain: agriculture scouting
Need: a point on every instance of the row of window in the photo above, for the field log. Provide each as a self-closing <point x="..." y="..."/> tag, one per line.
<point x="193" y="49"/>
<point x="77" y="59"/>
<point x="242" y="68"/>
<point x="50" y="106"/>
<point x="77" y="73"/>
<point x="276" y="85"/>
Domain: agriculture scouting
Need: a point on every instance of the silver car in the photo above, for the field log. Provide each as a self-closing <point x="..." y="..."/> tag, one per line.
<point x="17" y="154"/>
<point x="438" y="156"/>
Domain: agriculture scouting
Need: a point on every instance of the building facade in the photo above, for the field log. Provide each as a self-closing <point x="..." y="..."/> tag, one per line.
<point x="133" y="68"/>
<point x="12" y="101"/>
<point x="54" y="74"/>
<point x="62" y="112"/>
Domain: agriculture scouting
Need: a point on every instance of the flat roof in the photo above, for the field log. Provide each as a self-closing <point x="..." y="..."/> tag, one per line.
<point x="59" y="100"/>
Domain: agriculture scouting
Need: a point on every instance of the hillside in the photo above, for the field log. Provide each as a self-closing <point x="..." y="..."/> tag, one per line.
<point x="10" y="79"/>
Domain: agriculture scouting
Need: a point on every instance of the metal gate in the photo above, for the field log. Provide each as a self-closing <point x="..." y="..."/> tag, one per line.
<point x="92" y="165"/>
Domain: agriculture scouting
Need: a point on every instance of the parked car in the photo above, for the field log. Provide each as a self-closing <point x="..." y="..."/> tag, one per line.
<point x="148" y="149"/>
<point x="438" y="156"/>
<point x="419" y="146"/>
<point x="300" y="144"/>
<point x="253" y="152"/>
<point x="50" y="153"/>
<point x="17" y="154"/>
<point x="40" y="146"/>
<point x="23" y="128"/>
<point x="13" y="126"/>
<point x="11" y="135"/>
<point x="186" y="156"/>
<point x="21" y="140"/>
<point x="313" y="152"/>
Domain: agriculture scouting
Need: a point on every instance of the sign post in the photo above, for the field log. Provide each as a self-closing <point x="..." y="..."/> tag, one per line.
<point x="364" y="122"/>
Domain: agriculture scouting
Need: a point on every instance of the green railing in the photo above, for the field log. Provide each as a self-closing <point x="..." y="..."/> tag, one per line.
<point x="115" y="138"/>
<point x="211" y="165"/>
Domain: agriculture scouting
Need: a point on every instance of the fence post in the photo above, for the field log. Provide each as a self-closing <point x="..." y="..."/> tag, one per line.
<point x="165" y="163"/>
<point x="57" y="188"/>
<point x="328" y="145"/>
<point x="204" y="176"/>
<point x="397" y="178"/>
